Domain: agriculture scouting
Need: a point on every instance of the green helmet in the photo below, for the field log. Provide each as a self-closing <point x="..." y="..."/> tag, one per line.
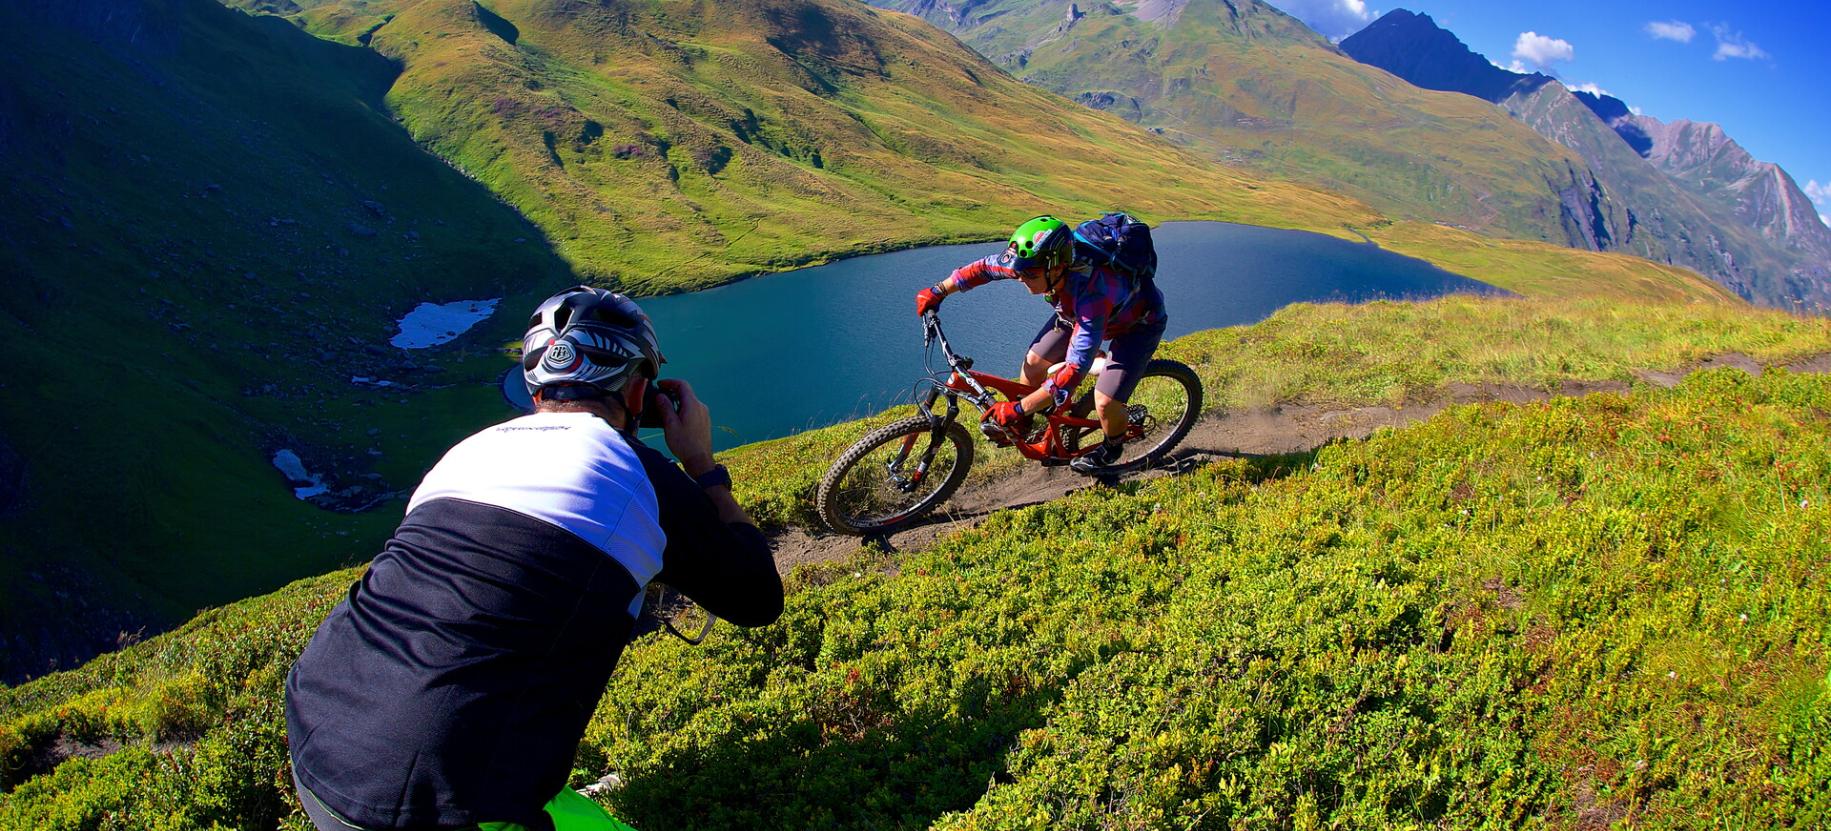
<point x="1041" y="242"/>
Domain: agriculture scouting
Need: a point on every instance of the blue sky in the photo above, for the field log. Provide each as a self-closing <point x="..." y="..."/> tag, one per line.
<point x="1761" y="69"/>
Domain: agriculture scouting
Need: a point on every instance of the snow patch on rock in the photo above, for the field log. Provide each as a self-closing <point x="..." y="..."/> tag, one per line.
<point x="430" y="324"/>
<point x="305" y="483"/>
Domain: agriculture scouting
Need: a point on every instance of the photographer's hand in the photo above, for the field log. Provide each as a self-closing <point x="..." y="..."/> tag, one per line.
<point x="688" y="430"/>
<point x="686" y="424"/>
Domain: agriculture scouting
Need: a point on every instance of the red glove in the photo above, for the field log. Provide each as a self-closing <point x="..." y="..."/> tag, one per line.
<point x="928" y="300"/>
<point x="1008" y="415"/>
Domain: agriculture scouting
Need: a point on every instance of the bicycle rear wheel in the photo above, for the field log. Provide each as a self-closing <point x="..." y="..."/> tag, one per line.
<point x="877" y="484"/>
<point x="1164" y="407"/>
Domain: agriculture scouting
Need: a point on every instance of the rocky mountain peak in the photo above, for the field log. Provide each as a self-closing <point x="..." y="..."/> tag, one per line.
<point x="1693" y="196"/>
<point x="1685" y="144"/>
<point x="1412" y="46"/>
<point x="1616" y="113"/>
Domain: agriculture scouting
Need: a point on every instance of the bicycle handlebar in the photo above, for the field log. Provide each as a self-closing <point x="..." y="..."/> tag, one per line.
<point x="931" y="332"/>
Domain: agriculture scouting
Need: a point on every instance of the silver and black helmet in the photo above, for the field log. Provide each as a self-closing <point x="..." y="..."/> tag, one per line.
<point x="584" y="342"/>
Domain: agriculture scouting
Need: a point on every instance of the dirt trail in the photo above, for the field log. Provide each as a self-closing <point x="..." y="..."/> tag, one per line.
<point x="1274" y="431"/>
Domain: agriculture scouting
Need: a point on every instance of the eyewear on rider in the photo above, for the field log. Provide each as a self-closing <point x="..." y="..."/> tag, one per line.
<point x="1040" y="277"/>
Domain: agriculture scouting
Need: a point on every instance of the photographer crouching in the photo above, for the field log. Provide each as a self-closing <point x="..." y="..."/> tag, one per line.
<point x="451" y="688"/>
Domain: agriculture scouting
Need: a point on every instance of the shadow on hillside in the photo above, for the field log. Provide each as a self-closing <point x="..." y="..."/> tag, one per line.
<point x="290" y="190"/>
<point x="850" y="763"/>
<point x="497" y="25"/>
<point x="1036" y="485"/>
<point x="1259" y="467"/>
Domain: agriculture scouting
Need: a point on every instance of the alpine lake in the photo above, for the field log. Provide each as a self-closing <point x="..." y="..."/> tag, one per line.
<point x="794" y="351"/>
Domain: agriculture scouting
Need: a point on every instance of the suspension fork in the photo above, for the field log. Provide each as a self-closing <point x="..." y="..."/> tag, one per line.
<point x="936" y="434"/>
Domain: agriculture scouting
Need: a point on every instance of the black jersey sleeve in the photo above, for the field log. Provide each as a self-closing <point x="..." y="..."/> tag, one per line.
<point x="725" y="567"/>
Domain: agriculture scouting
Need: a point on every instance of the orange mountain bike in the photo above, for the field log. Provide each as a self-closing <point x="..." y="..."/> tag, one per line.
<point x="903" y="470"/>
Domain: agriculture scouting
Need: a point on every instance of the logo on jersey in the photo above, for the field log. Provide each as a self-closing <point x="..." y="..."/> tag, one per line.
<point x="561" y="356"/>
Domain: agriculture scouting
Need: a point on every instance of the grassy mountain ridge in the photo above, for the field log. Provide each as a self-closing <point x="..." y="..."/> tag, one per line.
<point x="1244" y="82"/>
<point x="1597" y="607"/>
<point x="673" y="145"/>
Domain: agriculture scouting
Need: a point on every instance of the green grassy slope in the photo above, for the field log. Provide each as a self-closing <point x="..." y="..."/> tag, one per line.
<point x="211" y="222"/>
<point x="1243" y="82"/>
<point x="674" y="145"/>
<point x="1582" y="611"/>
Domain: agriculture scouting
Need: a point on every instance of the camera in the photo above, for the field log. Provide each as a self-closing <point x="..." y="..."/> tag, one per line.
<point x="651" y="406"/>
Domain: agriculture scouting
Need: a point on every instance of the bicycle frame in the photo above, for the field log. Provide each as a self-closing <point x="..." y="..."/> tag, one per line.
<point x="982" y="390"/>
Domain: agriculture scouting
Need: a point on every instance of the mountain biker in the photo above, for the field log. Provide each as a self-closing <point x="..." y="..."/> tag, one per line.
<point x="1093" y="303"/>
<point x="451" y="687"/>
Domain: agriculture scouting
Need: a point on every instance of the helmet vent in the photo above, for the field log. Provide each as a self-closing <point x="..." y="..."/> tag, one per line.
<point x="612" y="316"/>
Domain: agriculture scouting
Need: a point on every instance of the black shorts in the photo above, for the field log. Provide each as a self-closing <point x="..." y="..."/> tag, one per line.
<point x="1126" y="356"/>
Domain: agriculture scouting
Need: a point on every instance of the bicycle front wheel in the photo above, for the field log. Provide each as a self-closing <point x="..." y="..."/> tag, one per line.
<point x="881" y="483"/>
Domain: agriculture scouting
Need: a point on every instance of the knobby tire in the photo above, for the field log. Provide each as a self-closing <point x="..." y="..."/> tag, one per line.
<point x="840" y="517"/>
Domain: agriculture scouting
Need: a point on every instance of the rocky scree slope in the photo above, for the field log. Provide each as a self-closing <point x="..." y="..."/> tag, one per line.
<point x="1702" y="158"/>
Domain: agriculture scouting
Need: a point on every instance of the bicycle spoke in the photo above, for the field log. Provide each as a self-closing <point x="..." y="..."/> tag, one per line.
<point x="879" y="485"/>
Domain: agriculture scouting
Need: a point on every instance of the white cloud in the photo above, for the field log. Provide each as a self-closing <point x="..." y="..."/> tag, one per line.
<point x="1820" y="194"/>
<point x="1825" y="219"/>
<point x="1516" y="66"/>
<point x="1334" y="19"/>
<point x="1672" y="30"/>
<point x="1542" y="51"/>
<point x="1636" y="110"/>
<point x="1590" y="88"/>
<point x="1732" y="44"/>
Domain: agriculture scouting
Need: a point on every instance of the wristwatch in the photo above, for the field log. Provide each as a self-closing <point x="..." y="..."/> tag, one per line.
<point x="718" y="476"/>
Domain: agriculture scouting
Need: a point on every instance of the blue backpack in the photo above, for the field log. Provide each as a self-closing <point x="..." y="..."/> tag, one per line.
<point x="1118" y="241"/>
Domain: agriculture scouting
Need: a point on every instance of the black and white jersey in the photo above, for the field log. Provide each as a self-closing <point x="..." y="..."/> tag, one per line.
<point x="453" y="684"/>
<point x="570" y="470"/>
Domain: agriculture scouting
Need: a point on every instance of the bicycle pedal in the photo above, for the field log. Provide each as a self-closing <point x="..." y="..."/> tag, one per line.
<point x="995" y="434"/>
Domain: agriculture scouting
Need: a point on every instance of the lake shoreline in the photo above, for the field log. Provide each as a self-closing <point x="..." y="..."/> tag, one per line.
<point x="875" y="249"/>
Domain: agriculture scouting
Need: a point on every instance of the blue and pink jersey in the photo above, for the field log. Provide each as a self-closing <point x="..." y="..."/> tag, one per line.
<point x="1099" y="302"/>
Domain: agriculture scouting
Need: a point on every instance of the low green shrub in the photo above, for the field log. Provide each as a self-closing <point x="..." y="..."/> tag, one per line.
<point x="1573" y="613"/>
<point x="1582" y="612"/>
